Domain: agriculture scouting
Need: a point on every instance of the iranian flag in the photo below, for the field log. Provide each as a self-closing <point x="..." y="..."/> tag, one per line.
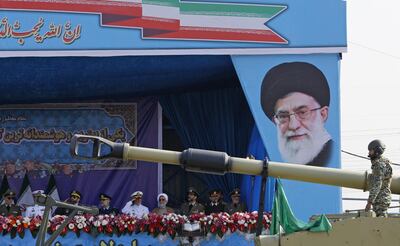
<point x="224" y="22"/>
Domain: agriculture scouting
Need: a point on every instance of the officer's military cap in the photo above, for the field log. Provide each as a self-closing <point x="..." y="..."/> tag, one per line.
<point x="37" y="192"/>
<point x="136" y="194"/>
<point x="192" y="190"/>
<point x="214" y="192"/>
<point x="235" y="192"/>
<point x="9" y="193"/>
<point x="103" y="196"/>
<point x="75" y="193"/>
<point x="291" y="77"/>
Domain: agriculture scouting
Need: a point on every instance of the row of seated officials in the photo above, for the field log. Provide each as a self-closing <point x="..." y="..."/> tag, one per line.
<point x="134" y="207"/>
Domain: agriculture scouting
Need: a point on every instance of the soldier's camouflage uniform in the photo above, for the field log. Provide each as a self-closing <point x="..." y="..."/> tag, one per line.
<point x="379" y="185"/>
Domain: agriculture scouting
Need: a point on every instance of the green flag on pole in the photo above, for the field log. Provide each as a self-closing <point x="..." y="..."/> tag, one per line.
<point x="282" y="216"/>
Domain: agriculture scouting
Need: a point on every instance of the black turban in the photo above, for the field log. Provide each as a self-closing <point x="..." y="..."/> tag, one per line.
<point x="291" y="77"/>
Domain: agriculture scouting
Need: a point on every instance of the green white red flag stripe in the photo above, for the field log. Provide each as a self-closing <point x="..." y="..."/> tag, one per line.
<point x="172" y="19"/>
<point x="223" y="9"/>
<point x="168" y="9"/>
<point x="160" y="14"/>
<point x="217" y="34"/>
<point x="219" y="21"/>
<point x="223" y="22"/>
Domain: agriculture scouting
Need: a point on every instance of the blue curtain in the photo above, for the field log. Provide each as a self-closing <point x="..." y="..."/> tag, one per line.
<point x="32" y="79"/>
<point x="251" y="185"/>
<point x="214" y="120"/>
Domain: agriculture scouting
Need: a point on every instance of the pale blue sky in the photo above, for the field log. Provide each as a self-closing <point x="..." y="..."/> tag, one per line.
<point x="370" y="74"/>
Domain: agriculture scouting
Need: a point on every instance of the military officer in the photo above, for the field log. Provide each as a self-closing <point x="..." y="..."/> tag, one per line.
<point x="235" y="205"/>
<point x="8" y="207"/>
<point x="135" y="207"/>
<point x="105" y="205"/>
<point x="35" y="210"/>
<point x="192" y="206"/>
<point x="74" y="198"/>
<point x="379" y="181"/>
<point x="215" y="205"/>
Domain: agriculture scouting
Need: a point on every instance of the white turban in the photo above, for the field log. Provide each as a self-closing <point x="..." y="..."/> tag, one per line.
<point x="158" y="199"/>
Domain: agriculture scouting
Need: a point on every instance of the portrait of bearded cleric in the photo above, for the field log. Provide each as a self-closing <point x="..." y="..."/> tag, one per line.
<point x="295" y="96"/>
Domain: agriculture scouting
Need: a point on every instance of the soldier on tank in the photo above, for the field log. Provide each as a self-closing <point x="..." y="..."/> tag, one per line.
<point x="379" y="189"/>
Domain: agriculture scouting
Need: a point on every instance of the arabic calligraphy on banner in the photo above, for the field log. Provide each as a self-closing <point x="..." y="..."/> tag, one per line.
<point x="56" y="136"/>
<point x="39" y="32"/>
<point x="42" y="134"/>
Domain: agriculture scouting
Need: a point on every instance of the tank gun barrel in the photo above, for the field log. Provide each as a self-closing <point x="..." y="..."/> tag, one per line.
<point x="330" y="176"/>
<point x="215" y="162"/>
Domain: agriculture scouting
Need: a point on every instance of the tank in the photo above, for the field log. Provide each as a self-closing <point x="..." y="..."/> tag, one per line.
<point x="356" y="228"/>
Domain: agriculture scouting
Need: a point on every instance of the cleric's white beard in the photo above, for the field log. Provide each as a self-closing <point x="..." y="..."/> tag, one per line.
<point x="162" y="204"/>
<point x="305" y="150"/>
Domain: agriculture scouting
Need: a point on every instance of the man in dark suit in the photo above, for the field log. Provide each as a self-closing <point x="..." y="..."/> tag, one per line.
<point x="8" y="207"/>
<point x="216" y="205"/>
<point x="105" y="205"/>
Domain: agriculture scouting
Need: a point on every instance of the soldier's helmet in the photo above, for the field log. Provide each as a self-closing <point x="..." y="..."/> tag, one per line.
<point x="377" y="146"/>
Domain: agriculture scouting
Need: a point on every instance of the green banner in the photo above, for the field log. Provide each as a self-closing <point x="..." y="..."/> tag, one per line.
<point x="282" y="216"/>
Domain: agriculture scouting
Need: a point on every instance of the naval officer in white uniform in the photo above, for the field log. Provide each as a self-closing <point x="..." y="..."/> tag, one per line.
<point x="135" y="207"/>
<point x="35" y="210"/>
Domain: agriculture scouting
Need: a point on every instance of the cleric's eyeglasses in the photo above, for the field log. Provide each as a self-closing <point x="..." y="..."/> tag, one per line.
<point x="301" y="114"/>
